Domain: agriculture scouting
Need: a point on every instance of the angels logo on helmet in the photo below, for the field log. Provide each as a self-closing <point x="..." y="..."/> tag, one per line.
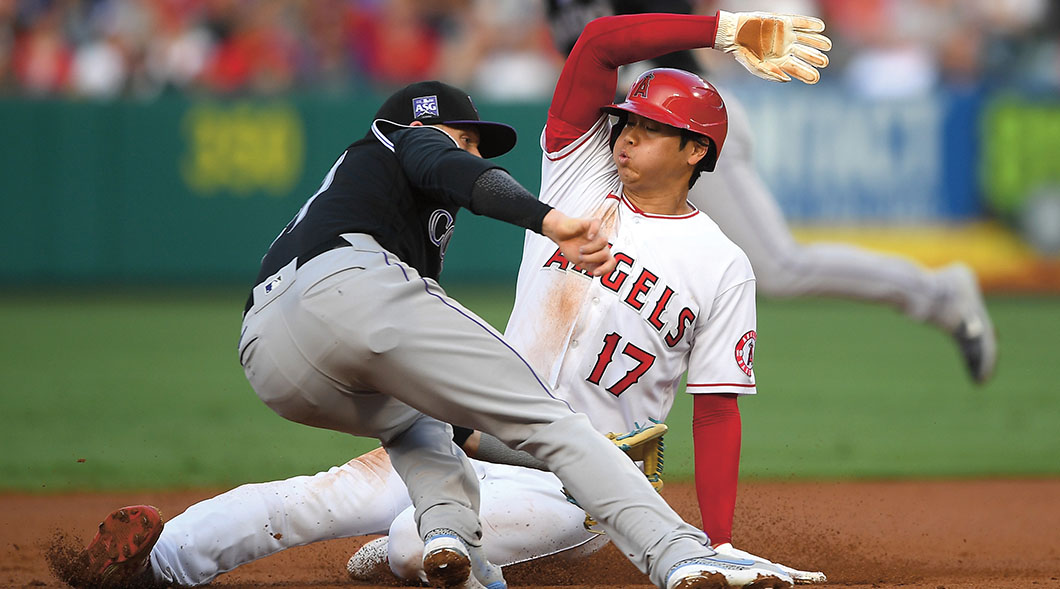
<point x="640" y="89"/>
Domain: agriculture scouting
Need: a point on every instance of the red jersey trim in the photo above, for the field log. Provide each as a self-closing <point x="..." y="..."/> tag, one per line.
<point x="634" y="208"/>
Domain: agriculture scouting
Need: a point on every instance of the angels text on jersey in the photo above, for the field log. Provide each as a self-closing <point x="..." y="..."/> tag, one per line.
<point x="640" y="289"/>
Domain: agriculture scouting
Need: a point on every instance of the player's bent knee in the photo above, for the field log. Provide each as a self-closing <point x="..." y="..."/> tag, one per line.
<point x="405" y="564"/>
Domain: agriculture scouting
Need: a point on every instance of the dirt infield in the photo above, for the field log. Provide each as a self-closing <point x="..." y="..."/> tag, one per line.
<point x="914" y="535"/>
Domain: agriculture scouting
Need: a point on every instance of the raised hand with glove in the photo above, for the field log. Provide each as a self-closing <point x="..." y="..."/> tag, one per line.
<point x="774" y="47"/>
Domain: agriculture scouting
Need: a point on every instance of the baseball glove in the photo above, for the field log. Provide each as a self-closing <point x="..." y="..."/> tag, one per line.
<point x="643" y="444"/>
<point x="775" y="47"/>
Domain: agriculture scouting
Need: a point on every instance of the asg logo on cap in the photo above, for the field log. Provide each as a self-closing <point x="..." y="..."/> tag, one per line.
<point x="425" y="106"/>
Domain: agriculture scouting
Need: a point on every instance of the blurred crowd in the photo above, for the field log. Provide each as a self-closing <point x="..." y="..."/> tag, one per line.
<point x="498" y="49"/>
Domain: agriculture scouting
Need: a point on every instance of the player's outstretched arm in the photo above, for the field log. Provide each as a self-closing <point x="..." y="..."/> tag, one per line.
<point x="590" y="73"/>
<point x="775" y="47"/>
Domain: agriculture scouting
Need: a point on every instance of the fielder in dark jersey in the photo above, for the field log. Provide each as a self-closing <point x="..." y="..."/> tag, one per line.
<point x="347" y="329"/>
<point x="405" y="191"/>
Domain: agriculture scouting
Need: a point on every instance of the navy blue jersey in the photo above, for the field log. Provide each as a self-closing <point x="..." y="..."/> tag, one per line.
<point x="404" y="188"/>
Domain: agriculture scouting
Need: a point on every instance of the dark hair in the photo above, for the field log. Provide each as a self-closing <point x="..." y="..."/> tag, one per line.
<point x="706" y="164"/>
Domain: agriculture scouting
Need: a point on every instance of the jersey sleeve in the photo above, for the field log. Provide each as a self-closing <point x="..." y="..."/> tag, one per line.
<point x="435" y="165"/>
<point x="722" y="357"/>
<point x="590" y="73"/>
<point x="577" y="177"/>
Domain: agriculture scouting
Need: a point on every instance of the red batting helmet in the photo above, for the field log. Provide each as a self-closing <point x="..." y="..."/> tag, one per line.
<point x="680" y="99"/>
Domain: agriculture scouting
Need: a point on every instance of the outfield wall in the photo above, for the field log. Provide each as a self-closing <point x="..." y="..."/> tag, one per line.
<point x="189" y="190"/>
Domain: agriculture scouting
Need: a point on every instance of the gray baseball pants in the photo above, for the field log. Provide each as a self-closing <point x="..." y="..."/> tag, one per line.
<point x="356" y="341"/>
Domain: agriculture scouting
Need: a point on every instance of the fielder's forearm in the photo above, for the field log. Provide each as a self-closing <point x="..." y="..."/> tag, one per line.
<point x="496" y="194"/>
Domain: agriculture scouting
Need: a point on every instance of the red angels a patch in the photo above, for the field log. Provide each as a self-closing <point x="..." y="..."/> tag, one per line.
<point x="641" y="89"/>
<point x="745" y="352"/>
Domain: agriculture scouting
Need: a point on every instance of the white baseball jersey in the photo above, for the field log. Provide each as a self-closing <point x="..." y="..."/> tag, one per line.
<point x="616" y="347"/>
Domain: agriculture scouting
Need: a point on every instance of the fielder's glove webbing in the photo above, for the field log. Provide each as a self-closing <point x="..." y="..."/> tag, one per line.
<point x="645" y="445"/>
<point x="775" y="47"/>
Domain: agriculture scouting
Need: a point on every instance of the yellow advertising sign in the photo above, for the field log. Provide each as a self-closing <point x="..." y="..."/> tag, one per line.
<point x="243" y="148"/>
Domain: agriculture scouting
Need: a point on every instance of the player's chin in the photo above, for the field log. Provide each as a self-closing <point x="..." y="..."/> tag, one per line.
<point x="626" y="173"/>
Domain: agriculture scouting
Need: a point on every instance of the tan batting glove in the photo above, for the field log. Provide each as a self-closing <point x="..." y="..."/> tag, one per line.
<point x="775" y="47"/>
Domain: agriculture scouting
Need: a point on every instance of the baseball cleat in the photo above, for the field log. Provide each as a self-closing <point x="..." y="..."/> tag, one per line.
<point x="449" y="562"/>
<point x="446" y="561"/>
<point x="371" y="561"/>
<point x="975" y="333"/>
<point x="120" y="554"/>
<point x="798" y="576"/>
<point x="717" y="571"/>
<point x="696" y="579"/>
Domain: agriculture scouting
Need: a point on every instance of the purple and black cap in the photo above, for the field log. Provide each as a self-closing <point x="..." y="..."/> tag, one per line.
<point x="437" y="103"/>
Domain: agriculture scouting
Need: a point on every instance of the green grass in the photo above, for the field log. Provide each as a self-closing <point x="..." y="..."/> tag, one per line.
<point x="143" y="390"/>
<point x="854" y="390"/>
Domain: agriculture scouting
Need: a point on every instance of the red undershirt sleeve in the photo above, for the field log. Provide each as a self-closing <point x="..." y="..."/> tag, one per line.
<point x="716" y="435"/>
<point x="590" y="74"/>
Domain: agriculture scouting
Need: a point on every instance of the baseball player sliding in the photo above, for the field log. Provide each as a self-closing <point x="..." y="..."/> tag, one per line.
<point x="736" y="198"/>
<point x="677" y="298"/>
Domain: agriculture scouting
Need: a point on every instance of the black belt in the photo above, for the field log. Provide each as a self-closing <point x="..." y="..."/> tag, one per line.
<point x="333" y="243"/>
